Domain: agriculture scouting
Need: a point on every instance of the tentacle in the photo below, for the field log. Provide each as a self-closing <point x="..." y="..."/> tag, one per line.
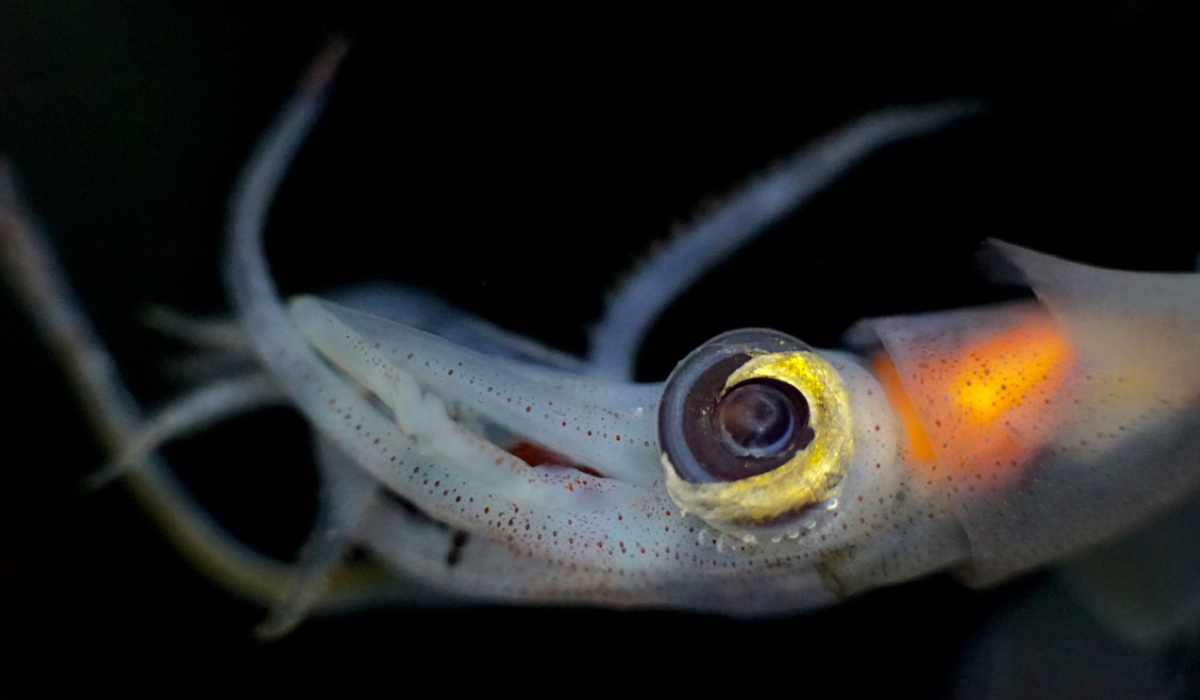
<point x="207" y="366"/>
<point x="314" y="387"/>
<point x="189" y="414"/>
<point x="347" y="497"/>
<point x="609" y="427"/>
<point x="651" y="288"/>
<point x="424" y="310"/>
<point x="36" y="277"/>
<point x="212" y="333"/>
<point x="424" y="422"/>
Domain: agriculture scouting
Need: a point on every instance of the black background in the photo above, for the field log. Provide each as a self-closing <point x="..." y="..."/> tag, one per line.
<point x="517" y="164"/>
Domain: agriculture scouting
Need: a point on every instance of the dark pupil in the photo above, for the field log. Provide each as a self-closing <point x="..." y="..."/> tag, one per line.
<point x="756" y="419"/>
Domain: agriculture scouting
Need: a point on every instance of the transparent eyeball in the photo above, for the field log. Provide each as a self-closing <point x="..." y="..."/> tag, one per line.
<point x="712" y="434"/>
<point x="754" y="426"/>
<point x="759" y="418"/>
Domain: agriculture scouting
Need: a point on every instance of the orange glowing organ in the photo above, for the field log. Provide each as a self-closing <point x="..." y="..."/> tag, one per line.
<point x="978" y="403"/>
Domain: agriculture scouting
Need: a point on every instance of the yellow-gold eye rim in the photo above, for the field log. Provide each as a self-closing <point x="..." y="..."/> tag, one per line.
<point x="810" y="476"/>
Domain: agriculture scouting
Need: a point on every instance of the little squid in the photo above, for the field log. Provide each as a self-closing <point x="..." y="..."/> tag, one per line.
<point x="765" y="476"/>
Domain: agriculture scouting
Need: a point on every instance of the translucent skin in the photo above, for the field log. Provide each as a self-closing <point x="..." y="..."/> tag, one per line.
<point x="436" y="423"/>
<point x="1018" y="411"/>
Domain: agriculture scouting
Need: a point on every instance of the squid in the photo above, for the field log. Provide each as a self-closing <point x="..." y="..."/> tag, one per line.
<point x="763" y="477"/>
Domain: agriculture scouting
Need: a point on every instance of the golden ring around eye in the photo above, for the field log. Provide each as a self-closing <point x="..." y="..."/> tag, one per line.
<point x="809" y="476"/>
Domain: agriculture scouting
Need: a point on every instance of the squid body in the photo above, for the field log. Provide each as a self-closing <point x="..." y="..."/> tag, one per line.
<point x="765" y="476"/>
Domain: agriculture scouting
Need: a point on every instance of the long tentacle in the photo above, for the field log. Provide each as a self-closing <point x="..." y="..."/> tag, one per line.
<point x="34" y="274"/>
<point x="647" y="293"/>
<point x="210" y="404"/>
<point x="37" y="279"/>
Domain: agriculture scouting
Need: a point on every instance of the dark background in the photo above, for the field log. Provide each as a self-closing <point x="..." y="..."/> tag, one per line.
<point x="517" y="164"/>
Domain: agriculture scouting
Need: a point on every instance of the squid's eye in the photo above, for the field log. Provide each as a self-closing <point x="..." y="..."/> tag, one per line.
<point x="755" y="427"/>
